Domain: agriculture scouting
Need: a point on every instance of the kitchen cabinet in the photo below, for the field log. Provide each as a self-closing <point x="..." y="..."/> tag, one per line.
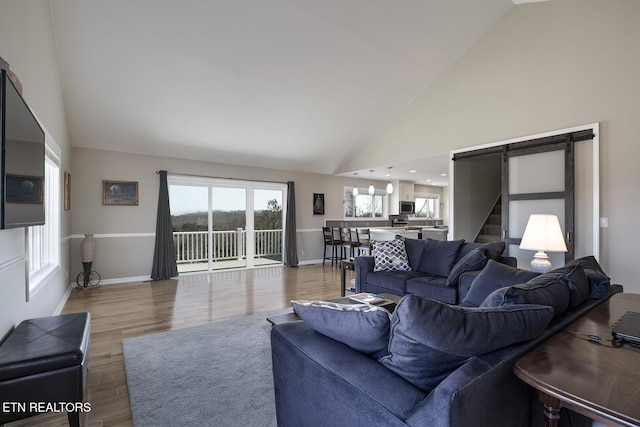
<point x="406" y="191"/>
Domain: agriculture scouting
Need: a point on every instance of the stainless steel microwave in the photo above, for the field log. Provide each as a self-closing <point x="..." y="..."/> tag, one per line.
<point x="407" y="208"/>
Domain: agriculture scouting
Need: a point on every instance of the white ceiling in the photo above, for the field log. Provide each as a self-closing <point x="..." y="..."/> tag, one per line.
<point x="287" y="84"/>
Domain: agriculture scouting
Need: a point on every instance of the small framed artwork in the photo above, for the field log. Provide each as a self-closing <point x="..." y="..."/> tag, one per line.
<point x="67" y="191"/>
<point x="120" y="193"/>
<point x="24" y="189"/>
<point x="318" y="203"/>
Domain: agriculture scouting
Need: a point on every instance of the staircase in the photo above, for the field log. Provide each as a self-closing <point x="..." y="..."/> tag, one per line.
<point x="492" y="228"/>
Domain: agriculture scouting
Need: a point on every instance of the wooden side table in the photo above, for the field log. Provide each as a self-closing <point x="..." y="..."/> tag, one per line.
<point x="596" y="379"/>
<point x="345" y="265"/>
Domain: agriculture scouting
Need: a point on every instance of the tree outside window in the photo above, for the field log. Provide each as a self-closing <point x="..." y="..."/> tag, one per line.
<point x="363" y="205"/>
<point x="427" y="206"/>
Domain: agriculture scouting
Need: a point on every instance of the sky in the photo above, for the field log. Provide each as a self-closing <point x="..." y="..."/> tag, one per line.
<point x="185" y="199"/>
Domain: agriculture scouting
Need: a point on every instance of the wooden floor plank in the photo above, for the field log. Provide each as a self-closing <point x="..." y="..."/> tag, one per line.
<point x="128" y="310"/>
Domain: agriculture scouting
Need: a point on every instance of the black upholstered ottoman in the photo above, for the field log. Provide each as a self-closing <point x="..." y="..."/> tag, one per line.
<point x="43" y="367"/>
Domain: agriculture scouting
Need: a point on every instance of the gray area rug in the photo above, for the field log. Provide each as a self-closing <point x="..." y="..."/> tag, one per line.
<point x="217" y="374"/>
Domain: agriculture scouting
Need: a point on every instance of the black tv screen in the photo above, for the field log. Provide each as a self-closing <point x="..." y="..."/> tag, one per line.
<point x="22" y="160"/>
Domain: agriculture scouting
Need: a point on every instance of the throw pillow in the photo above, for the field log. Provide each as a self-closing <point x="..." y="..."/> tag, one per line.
<point x="390" y="255"/>
<point x="495" y="276"/>
<point x="360" y="326"/>
<point x="545" y="289"/>
<point x="493" y="250"/>
<point x="430" y="339"/>
<point x="414" y="248"/>
<point x="474" y="260"/>
<point x="599" y="282"/>
<point x="439" y="256"/>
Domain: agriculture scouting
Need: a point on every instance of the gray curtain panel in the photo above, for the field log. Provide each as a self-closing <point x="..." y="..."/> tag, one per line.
<point x="164" y="254"/>
<point x="291" y="252"/>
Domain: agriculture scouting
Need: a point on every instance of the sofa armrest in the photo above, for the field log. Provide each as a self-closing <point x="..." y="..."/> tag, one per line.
<point x="319" y="381"/>
<point x="509" y="260"/>
<point x="363" y="265"/>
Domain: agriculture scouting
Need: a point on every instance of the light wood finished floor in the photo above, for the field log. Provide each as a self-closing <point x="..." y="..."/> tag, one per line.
<point x="128" y="310"/>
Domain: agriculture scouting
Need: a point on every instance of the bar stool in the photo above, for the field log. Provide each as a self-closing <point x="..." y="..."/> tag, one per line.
<point x="348" y="243"/>
<point x="330" y="240"/>
<point x="363" y="237"/>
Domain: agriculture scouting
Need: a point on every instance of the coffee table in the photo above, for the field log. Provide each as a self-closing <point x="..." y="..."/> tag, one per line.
<point x="598" y="380"/>
<point x="292" y="316"/>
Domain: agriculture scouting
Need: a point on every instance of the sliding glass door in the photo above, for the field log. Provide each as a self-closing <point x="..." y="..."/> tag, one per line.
<point x="221" y="224"/>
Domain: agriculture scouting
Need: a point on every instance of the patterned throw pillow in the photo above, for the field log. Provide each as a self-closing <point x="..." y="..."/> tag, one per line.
<point x="390" y="255"/>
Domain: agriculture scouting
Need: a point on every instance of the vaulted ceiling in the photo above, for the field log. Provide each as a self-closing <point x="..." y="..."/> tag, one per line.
<point x="286" y="84"/>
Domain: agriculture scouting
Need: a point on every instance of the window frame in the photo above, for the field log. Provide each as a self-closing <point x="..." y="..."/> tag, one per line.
<point x="348" y="193"/>
<point x="38" y="277"/>
<point x="433" y="196"/>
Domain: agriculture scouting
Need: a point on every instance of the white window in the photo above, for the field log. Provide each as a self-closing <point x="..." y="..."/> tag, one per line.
<point x="44" y="240"/>
<point x="427" y="206"/>
<point x="364" y="205"/>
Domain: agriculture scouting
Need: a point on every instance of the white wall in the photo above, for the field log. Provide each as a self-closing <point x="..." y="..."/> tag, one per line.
<point x="125" y="234"/>
<point x="27" y="44"/>
<point x="544" y="66"/>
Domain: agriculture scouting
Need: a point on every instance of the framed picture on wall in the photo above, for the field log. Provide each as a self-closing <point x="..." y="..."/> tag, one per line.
<point x="318" y="203"/>
<point x="120" y="193"/>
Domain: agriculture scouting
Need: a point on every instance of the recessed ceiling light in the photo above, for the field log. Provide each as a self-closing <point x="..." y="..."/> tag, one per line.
<point x="443" y="174"/>
<point x="428" y="180"/>
<point x="387" y="174"/>
<point x="412" y="171"/>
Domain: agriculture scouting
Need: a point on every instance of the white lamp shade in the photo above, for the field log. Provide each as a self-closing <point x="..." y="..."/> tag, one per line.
<point x="355" y="191"/>
<point x="389" y="188"/>
<point x="543" y="233"/>
<point x="372" y="190"/>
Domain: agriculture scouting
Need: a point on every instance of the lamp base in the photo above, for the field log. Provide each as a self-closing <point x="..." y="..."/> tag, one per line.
<point x="540" y="262"/>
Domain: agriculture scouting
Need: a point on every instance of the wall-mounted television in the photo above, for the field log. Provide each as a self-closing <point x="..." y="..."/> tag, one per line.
<point x="22" y="162"/>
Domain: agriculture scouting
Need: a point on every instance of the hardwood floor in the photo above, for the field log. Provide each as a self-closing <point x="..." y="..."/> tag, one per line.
<point x="128" y="310"/>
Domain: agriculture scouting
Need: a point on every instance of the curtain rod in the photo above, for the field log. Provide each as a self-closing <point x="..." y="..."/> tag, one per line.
<point x="223" y="177"/>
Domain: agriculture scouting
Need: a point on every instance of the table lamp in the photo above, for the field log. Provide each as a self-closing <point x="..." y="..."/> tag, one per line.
<point x="542" y="234"/>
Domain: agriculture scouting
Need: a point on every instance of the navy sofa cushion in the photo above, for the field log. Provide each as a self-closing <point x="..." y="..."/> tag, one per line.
<point x="599" y="282"/>
<point x="395" y="281"/>
<point x="414" y="248"/>
<point x="362" y="327"/>
<point x="494" y="250"/>
<point x="433" y="287"/>
<point x="495" y="276"/>
<point x="546" y="289"/>
<point x="574" y="277"/>
<point x="474" y="260"/>
<point x="439" y="256"/>
<point x="430" y="339"/>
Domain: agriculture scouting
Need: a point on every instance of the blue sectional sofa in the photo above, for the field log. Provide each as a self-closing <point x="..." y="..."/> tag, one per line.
<point x="440" y="270"/>
<point x="444" y="365"/>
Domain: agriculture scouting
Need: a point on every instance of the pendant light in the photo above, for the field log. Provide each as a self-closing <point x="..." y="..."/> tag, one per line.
<point x="372" y="189"/>
<point x="389" y="184"/>
<point x="355" y="185"/>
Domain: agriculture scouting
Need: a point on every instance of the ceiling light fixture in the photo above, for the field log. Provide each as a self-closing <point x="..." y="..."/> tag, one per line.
<point x="355" y="185"/>
<point x="372" y="189"/>
<point x="389" y="184"/>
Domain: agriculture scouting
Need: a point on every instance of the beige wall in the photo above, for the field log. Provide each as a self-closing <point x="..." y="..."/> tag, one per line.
<point x="544" y="66"/>
<point x="124" y="234"/>
<point x="27" y="44"/>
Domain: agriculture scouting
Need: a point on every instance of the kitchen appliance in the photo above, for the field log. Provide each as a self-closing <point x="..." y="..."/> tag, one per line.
<point x="398" y="220"/>
<point x="407" y="208"/>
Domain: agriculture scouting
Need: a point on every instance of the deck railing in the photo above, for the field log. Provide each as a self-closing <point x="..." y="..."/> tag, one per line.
<point x="193" y="246"/>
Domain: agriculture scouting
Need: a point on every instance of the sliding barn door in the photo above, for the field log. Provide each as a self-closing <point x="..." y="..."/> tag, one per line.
<point x="538" y="178"/>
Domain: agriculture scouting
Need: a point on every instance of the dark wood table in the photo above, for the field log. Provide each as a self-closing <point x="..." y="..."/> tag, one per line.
<point x="346" y="265"/>
<point x="598" y="380"/>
